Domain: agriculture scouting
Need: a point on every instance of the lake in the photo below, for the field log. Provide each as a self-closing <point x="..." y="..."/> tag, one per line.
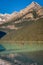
<point x="2" y="34"/>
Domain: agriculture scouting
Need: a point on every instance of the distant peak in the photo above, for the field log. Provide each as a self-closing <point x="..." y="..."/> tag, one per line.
<point x="35" y="3"/>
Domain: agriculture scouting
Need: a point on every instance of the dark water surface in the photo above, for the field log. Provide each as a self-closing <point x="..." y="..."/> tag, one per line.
<point x="2" y="34"/>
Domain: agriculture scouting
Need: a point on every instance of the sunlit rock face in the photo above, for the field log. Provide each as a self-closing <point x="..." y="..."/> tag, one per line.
<point x="22" y="12"/>
<point x="4" y="18"/>
<point x="40" y="12"/>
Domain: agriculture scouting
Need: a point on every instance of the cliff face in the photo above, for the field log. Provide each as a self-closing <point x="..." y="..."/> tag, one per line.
<point x="40" y="12"/>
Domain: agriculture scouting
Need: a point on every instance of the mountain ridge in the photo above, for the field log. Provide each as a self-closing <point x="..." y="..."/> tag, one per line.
<point x="22" y="12"/>
<point x="26" y="25"/>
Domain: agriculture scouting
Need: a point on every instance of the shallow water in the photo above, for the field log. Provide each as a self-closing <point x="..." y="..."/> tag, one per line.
<point x="24" y="58"/>
<point x="16" y="59"/>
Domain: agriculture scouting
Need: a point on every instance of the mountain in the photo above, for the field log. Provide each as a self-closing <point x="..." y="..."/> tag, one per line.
<point x="16" y="15"/>
<point x="3" y="18"/>
<point x="26" y="25"/>
<point x="34" y="10"/>
<point x="34" y="5"/>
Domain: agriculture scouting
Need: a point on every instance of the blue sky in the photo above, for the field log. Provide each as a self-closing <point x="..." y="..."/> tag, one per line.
<point x="9" y="6"/>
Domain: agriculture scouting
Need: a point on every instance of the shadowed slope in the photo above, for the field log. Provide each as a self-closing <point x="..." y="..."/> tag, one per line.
<point x="33" y="30"/>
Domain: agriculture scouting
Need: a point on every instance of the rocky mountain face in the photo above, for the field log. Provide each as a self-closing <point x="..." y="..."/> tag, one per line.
<point x="28" y="24"/>
<point x="27" y="12"/>
<point x="32" y="12"/>
<point x="3" y="18"/>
